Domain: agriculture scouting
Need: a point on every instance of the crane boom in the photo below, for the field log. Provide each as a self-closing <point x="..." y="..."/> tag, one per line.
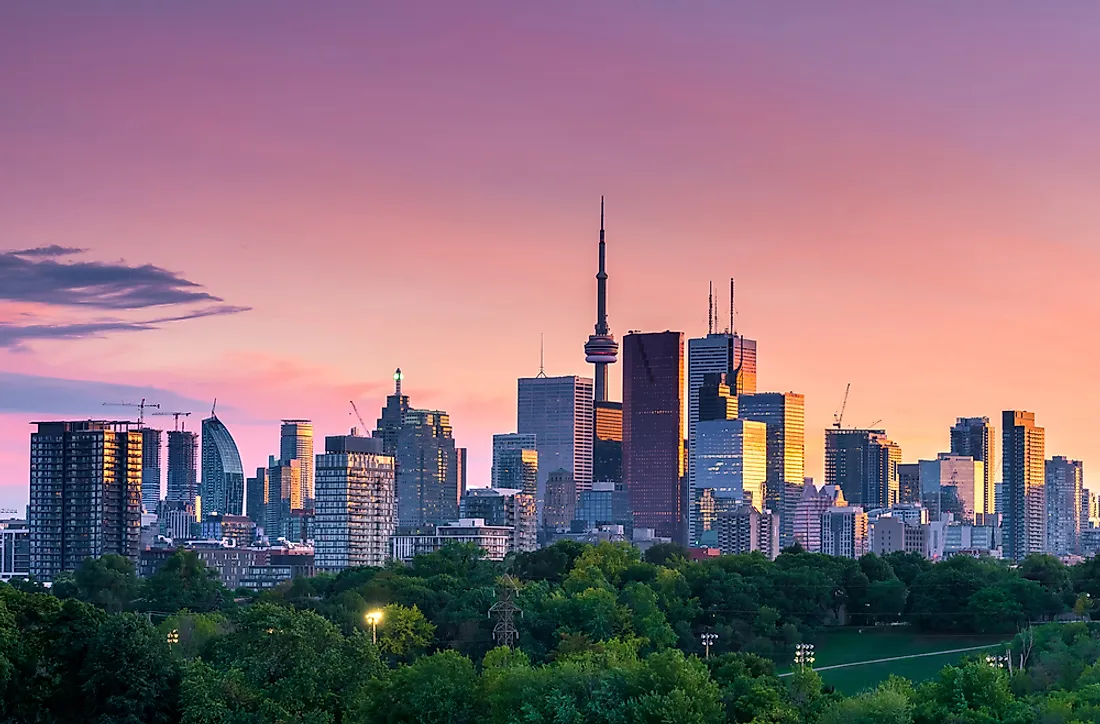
<point x="140" y="405"/>
<point x="176" y="415"/>
<point x="358" y="416"/>
<point x="838" y="417"/>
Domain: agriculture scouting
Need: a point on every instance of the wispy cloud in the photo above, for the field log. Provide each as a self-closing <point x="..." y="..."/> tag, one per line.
<point x="41" y="276"/>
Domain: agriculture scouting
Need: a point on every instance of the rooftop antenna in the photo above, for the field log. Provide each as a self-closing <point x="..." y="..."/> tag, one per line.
<point x="710" y="310"/>
<point x="732" y="328"/>
<point x="214" y="407"/>
<point x="542" y="355"/>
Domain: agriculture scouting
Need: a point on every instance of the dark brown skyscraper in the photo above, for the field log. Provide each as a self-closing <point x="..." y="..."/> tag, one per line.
<point x="653" y="431"/>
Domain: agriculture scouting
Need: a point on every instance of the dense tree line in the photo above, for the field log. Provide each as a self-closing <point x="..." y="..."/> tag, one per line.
<point x="605" y="636"/>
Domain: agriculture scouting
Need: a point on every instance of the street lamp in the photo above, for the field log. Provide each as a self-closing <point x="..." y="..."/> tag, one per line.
<point x="708" y="639"/>
<point x="997" y="661"/>
<point x="374" y="617"/>
<point x="804" y="655"/>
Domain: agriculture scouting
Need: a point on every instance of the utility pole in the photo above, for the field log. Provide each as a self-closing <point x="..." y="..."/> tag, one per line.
<point x="804" y="656"/>
<point x="505" y="609"/>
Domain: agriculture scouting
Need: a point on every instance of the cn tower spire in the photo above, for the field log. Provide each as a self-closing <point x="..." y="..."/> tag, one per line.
<point x="601" y="348"/>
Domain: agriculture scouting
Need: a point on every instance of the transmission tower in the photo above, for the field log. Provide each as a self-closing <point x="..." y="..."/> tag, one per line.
<point x="505" y="609"/>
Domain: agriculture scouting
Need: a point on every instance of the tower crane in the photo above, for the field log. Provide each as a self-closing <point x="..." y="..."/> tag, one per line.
<point x="140" y="405"/>
<point x="358" y="416"/>
<point x="838" y="416"/>
<point x="176" y="416"/>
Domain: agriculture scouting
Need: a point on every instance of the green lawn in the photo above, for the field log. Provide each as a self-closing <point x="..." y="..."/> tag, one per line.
<point x="852" y="644"/>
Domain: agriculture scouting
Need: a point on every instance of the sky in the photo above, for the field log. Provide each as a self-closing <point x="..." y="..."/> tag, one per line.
<point x="275" y="204"/>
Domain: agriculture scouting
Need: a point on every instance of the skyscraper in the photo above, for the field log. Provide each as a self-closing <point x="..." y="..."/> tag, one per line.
<point x="356" y="507"/>
<point x="221" y="489"/>
<point x="561" y="501"/>
<point x="150" y="469"/>
<point x="558" y="412"/>
<point x="514" y="509"/>
<point x="909" y="483"/>
<point x="296" y="443"/>
<point x="1024" y="478"/>
<point x="808" y="512"/>
<point x="953" y="484"/>
<point x="731" y="461"/>
<point x="515" y="464"/>
<point x="284" y="480"/>
<point x="85" y="494"/>
<point x="1064" y="493"/>
<point x="426" y="460"/>
<point x="607" y="443"/>
<point x="977" y="438"/>
<point x="183" y="453"/>
<point x="725" y="352"/>
<point x="785" y="415"/>
<point x="844" y="532"/>
<point x="653" y="431"/>
<point x="864" y="463"/>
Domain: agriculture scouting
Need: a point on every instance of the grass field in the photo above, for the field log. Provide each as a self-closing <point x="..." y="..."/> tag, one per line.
<point x="848" y="645"/>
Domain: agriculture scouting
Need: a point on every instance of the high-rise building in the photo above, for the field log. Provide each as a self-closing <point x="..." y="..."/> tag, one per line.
<point x="607" y="442"/>
<point x="356" y="508"/>
<point x="221" y="489"/>
<point x="864" y="463"/>
<point x="909" y="483"/>
<point x="296" y="443"/>
<point x="953" y="484"/>
<point x="501" y="506"/>
<point x="731" y="460"/>
<point x="653" y="431"/>
<point x="785" y="415"/>
<point x="977" y="438"/>
<point x="746" y="530"/>
<point x="257" y="493"/>
<point x="461" y="457"/>
<point x="183" y="455"/>
<point x="808" y="512"/>
<point x="844" y="532"/>
<point x="284" y="479"/>
<point x="558" y="412"/>
<point x="85" y="494"/>
<point x="561" y="501"/>
<point x="1024" y="478"/>
<point x="515" y="464"/>
<point x="150" y="469"/>
<point x="727" y="353"/>
<point x="1064" y="492"/>
<point x="605" y="504"/>
<point x="427" y="461"/>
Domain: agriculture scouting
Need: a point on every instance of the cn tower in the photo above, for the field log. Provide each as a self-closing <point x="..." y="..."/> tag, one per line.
<point x="601" y="348"/>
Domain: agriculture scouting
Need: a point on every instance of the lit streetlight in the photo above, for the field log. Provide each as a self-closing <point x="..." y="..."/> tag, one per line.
<point x="374" y="617"/>
<point x="174" y="636"/>
<point x="997" y="661"/>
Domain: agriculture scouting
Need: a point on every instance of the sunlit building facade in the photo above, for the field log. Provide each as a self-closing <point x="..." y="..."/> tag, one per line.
<point x="785" y="415"/>
<point x="1024" y="480"/>
<point x="296" y="443"/>
<point x="976" y="437"/>
<point x="356" y="507"/>
<point x="558" y="412"/>
<point x="515" y="463"/>
<point x="731" y="459"/>
<point x="844" y="532"/>
<point x="514" y="509"/>
<point x="653" y="431"/>
<point x="953" y="484"/>
<point x="85" y="494"/>
<point x="864" y="463"/>
<point x="811" y="506"/>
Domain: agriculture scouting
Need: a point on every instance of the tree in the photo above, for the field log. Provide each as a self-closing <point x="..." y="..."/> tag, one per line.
<point x="665" y="554"/>
<point x="880" y="706"/>
<point x="109" y="582"/>
<point x="403" y="631"/>
<point x="438" y="689"/>
<point x="184" y="582"/>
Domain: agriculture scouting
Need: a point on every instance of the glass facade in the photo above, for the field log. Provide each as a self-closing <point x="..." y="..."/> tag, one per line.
<point x="785" y="415"/>
<point x="150" y="469"/>
<point x="296" y="443"/>
<point x="977" y="438"/>
<point x="183" y="454"/>
<point x="515" y="463"/>
<point x="356" y="509"/>
<point x="653" y="431"/>
<point x="864" y="463"/>
<point x="558" y="412"/>
<point x="222" y="486"/>
<point x="952" y="484"/>
<point x="731" y="460"/>
<point x="1064" y="495"/>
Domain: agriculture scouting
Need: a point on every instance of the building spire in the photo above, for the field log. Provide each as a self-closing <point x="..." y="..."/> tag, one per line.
<point x="542" y="355"/>
<point x="397" y="377"/>
<point x="710" y="310"/>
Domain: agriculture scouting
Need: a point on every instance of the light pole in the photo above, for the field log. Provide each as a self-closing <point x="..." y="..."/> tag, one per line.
<point x="374" y="617"/>
<point x="997" y="661"/>
<point x="708" y="639"/>
<point x="804" y="655"/>
<point x="174" y="636"/>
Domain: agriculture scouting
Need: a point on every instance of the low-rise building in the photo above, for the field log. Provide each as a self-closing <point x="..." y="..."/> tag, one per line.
<point x="844" y="532"/>
<point x="495" y="540"/>
<point x="15" y="549"/>
<point x="891" y="534"/>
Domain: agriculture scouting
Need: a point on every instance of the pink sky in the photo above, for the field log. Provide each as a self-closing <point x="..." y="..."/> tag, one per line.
<point x="904" y="194"/>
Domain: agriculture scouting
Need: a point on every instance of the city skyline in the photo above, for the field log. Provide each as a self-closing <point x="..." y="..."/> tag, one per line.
<point x="910" y="214"/>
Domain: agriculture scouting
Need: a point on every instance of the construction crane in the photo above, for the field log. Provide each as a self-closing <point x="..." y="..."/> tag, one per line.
<point x="176" y="415"/>
<point x="838" y="416"/>
<point x="358" y="416"/>
<point x="140" y="405"/>
<point x="872" y="425"/>
<point x="8" y="510"/>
